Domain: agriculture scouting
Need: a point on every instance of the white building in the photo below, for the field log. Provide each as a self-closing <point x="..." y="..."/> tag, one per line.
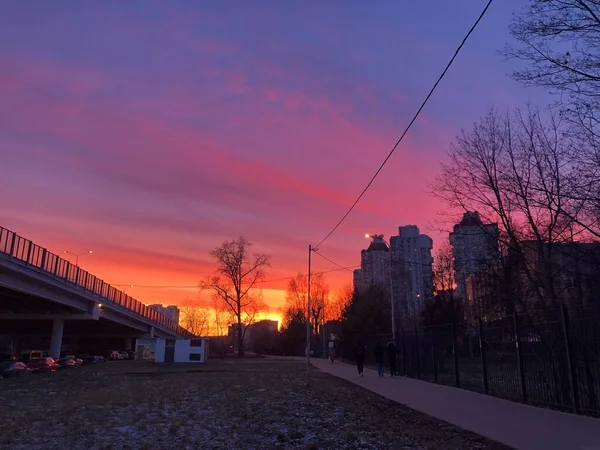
<point x="374" y="266"/>
<point x="181" y="350"/>
<point x="171" y="311"/>
<point x="474" y="248"/>
<point x="412" y="271"/>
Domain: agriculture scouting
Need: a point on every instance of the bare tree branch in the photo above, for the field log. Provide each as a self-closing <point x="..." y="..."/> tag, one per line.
<point x="235" y="282"/>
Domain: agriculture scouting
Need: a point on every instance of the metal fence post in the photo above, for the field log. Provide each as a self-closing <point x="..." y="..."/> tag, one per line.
<point x="43" y="264"/>
<point x="418" y="362"/>
<point x="433" y="358"/>
<point x="29" y="252"/>
<point x="519" y="358"/>
<point x="483" y="359"/>
<point x="570" y="360"/>
<point x="56" y="261"/>
<point x="455" y="354"/>
<point x="12" y="244"/>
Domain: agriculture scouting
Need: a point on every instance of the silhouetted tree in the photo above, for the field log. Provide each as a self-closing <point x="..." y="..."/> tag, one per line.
<point x="195" y="318"/>
<point x="516" y="170"/>
<point x="297" y="298"/>
<point x="292" y="338"/>
<point x="367" y="315"/>
<point x="559" y="40"/>
<point x="443" y="310"/>
<point x="443" y="270"/>
<point x="336" y="306"/>
<point x="236" y="281"/>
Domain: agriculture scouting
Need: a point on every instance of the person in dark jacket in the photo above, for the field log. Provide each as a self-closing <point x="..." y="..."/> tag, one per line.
<point x="379" y="357"/>
<point x="391" y="353"/>
<point x="359" y="354"/>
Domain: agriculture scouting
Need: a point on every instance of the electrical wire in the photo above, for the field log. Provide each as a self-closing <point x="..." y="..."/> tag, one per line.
<point x="457" y="51"/>
<point x="331" y="261"/>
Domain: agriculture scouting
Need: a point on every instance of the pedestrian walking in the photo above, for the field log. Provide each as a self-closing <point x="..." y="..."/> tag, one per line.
<point x="359" y="354"/>
<point x="391" y="353"/>
<point x="379" y="358"/>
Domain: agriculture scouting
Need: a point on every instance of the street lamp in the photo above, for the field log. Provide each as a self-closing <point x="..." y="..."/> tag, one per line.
<point x="77" y="255"/>
<point x="367" y="235"/>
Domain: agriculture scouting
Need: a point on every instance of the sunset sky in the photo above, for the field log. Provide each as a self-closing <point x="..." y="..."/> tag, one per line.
<point x="149" y="132"/>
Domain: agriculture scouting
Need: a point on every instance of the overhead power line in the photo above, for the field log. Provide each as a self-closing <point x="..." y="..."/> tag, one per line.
<point x="333" y="262"/>
<point x="459" y="48"/>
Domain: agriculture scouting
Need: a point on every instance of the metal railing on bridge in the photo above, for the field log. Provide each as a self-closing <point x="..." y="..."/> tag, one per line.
<point x="34" y="256"/>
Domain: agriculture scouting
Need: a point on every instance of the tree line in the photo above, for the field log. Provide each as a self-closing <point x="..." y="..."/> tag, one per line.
<point x="535" y="169"/>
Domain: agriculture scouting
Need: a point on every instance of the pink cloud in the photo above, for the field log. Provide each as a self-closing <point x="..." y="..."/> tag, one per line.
<point x="281" y="200"/>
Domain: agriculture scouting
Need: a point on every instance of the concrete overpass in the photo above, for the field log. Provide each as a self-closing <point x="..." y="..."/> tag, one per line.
<point x="42" y="294"/>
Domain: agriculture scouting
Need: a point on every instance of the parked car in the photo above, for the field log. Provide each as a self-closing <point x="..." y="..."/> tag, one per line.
<point x="77" y="360"/>
<point x="115" y="356"/>
<point x="93" y="360"/>
<point x="10" y="369"/>
<point x="67" y="363"/>
<point x="43" y="365"/>
<point x="124" y="355"/>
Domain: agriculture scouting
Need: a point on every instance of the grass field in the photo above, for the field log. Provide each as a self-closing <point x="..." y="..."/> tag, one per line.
<point x="228" y="404"/>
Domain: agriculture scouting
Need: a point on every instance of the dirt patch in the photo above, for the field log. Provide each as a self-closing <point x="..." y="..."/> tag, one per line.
<point x="221" y="406"/>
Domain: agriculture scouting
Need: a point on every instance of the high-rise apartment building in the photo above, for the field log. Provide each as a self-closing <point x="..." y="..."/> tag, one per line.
<point x="171" y="311"/>
<point x="374" y="266"/>
<point x="474" y="248"/>
<point x="412" y="271"/>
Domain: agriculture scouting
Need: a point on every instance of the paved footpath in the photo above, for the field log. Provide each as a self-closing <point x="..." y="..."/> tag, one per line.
<point x="520" y="426"/>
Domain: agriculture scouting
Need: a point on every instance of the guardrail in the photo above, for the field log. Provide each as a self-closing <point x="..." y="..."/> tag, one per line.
<point x="32" y="255"/>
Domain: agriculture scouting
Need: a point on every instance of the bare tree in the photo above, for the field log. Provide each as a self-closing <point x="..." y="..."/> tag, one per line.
<point x="517" y="170"/>
<point x="222" y="316"/>
<point x="297" y="297"/>
<point x="195" y="318"/>
<point x="254" y="307"/>
<point x="443" y="270"/>
<point x="560" y="42"/>
<point x="237" y="279"/>
<point x="336" y="306"/>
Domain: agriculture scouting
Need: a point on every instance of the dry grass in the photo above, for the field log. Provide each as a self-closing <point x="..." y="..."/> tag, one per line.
<point x="220" y="405"/>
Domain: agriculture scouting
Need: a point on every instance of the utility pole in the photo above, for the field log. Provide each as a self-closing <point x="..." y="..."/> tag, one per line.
<point x="310" y="250"/>
<point x="323" y="327"/>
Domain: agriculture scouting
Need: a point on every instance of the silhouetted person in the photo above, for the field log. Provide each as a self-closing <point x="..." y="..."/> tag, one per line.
<point x="332" y="352"/>
<point x="391" y="353"/>
<point x="359" y="354"/>
<point x="379" y="357"/>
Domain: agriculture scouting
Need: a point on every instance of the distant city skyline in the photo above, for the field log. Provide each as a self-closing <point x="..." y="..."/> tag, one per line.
<point x="153" y="134"/>
<point x="402" y="266"/>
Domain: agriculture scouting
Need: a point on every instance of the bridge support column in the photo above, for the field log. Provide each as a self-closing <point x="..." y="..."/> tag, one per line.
<point x="16" y="346"/>
<point x="58" y="326"/>
<point x="151" y="332"/>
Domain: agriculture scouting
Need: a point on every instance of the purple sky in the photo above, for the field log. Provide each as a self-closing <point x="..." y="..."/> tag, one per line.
<point x="152" y="131"/>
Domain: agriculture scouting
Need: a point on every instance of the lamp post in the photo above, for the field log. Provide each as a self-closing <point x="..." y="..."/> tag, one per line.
<point x="77" y="255"/>
<point x="391" y="288"/>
